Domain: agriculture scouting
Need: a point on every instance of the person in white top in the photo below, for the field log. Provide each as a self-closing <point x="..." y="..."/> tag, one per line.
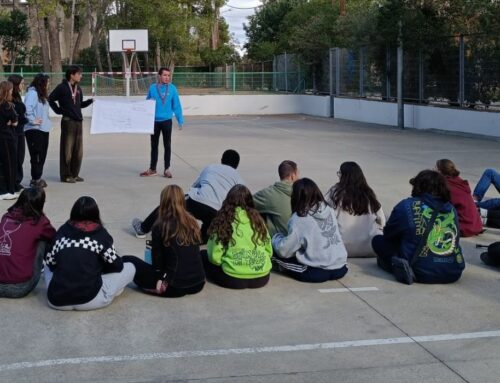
<point x="359" y="214"/>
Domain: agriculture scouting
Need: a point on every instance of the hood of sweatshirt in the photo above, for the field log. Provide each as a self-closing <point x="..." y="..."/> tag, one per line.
<point x="434" y="202"/>
<point x="322" y="213"/>
<point x="284" y="187"/>
<point x="458" y="183"/>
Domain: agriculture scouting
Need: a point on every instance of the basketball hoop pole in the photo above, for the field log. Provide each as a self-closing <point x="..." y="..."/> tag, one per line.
<point x="128" y="68"/>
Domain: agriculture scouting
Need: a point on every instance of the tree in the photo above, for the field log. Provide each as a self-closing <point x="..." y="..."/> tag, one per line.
<point x="14" y="33"/>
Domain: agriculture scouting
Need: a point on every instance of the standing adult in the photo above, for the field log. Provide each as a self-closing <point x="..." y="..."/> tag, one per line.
<point x="38" y="127"/>
<point x="19" y="145"/>
<point x="67" y="99"/>
<point x="167" y="104"/>
<point x="8" y="123"/>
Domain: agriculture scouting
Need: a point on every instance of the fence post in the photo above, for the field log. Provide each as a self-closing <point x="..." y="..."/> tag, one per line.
<point x="330" y="77"/>
<point x="361" y="72"/>
<point x="262" y="74"/>
<point x="274" y="73"/>
<point x="420" y="77"/>
<point x="286" y="73"/>
<point x="337" y="71"/>
<point x="401" y="107"/>
<point x="461" y="81"/>
<point x="234" y="78"/>
<point x="388" y="73"/>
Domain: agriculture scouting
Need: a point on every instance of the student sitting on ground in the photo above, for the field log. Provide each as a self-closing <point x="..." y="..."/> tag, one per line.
<point x="313" y="250"/>
<point x="359" y="214"/>
<point x="24" y="231"/>
<point x="413" y="247"/>
<point x="177" y="268"/>
<point x="273" y="202"/>
<point x="239" y="250"/>
<point x="84" y="271"/>
<point x="205" y="196"/>
<point x="461" y="198"/>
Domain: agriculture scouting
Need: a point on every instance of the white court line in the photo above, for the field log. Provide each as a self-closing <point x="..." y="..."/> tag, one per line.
<point x="347" y="289"/>
<point x="250" y="350"/>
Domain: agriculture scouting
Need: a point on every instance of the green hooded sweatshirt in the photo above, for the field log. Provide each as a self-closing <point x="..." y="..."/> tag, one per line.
<point x="273" y="203"/>
<point x="243" y="259"/>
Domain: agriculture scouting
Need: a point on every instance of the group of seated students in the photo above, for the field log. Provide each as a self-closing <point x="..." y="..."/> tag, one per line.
<point x="289" y="227"/>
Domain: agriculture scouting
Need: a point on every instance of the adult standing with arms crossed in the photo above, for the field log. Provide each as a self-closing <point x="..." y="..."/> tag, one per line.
<point x="67" y="99"/>
<point x="167" y="104"/>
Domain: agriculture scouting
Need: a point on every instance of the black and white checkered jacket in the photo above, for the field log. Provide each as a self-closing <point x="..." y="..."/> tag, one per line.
<point x="78" y="258"/>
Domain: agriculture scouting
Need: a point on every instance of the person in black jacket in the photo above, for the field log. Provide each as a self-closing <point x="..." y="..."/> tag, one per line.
<point x="177" y="268"/>
<point x="19" y="144"/>
<point x="84" y="271"/>
<point x="8" y="123"/>
<point x="67" y="99"/>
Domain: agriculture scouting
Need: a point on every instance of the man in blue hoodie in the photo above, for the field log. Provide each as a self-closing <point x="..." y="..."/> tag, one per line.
<point x="439" y="258"/>
<point x="167" y="104"/>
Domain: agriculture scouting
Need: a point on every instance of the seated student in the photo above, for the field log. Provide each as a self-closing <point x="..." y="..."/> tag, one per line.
<point x="24" y="231"/>
<point x="490" y="176"/>
<point x="205" y="197"/>
<point x="313" y="250"/>
<point x="84" y="271"/>
<point x="273" y="202"/>
<point x="239" y="250"/>
<point x="177" y="268"/>
<point x="468" y="217"/>
<point x="359" y="214"/>
<point x="431" y="251"/>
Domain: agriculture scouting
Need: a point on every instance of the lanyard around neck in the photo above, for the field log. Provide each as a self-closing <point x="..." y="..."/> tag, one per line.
<point x="164" y="96"/>
<point x="73" y="92"/>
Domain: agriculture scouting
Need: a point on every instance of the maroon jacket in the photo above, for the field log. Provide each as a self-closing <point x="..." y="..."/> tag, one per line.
<point x="461" y="197"/>
<point x="18" y="242"/>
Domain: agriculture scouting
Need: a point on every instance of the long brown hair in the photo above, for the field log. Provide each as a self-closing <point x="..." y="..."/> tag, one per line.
<point x="16" y="81"/>
<point x="5" y="96"/>
<point x="174" y="221"/>
<point x="306" y="197"/>
<point x="221" y="227"/>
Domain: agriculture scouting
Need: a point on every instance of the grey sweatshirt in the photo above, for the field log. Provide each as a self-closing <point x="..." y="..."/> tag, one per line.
<point x="314" y="240"/>
<point x="213" y="184"/>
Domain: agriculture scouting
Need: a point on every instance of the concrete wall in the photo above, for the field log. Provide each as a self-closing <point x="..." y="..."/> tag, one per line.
<point x="377" y="112"/>
<point x="419" y="117"/>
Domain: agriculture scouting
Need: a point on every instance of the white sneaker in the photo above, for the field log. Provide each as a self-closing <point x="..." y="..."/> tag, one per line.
<point x="136" y="225"/>
<point x="8" y="196"/>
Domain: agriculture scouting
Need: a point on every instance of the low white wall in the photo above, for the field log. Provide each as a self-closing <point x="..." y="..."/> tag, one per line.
<point x="219" y="105"/>
<point x="419" y="117"/>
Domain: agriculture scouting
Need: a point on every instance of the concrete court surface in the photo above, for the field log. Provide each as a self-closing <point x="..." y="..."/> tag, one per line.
<point x="287" y="331"/>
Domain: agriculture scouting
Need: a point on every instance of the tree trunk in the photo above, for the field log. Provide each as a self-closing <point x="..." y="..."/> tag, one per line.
<point x="72" y="32"/>
<point x="158" y="56"/>
<point x="95" y="32"/>
<point x="108" y="57"/>
<point x="42" y="35"/>
<point x="146" y="62"/>
<point x="13" y="55"/>
<point x="55" y="46"/>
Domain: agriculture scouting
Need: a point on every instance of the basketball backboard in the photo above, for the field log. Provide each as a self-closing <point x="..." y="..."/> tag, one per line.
<point x="133" y="40"/>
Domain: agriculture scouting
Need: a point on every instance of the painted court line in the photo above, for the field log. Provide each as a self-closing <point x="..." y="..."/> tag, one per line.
<point x="347" y="289"/>
<point x="250" y="350"/>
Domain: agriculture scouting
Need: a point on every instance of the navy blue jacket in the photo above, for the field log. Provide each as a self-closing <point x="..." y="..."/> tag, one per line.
<point x="441" y="259"/>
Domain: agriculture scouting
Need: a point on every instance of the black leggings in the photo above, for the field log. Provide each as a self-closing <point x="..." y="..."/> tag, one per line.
<point x="146" y="277"/>
<point x="219" y="277"/>
<point x="38" y="144"/>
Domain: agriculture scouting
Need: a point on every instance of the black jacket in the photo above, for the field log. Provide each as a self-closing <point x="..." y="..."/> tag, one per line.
<point x="7" y="114"/>
<point x="61" y="101"/>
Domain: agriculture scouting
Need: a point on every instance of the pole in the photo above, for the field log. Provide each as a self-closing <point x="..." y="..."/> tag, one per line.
<point x="401" y="107"/>
<point x="361" y="72"/>
<point x="420" y="77"/>
<point x="461" y="80"/>
<point x="234" y="78"/>
<point x="286" y="73"/>
<point x="332" y="103"/>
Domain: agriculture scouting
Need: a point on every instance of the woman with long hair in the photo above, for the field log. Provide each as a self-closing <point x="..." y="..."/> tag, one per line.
<point x="421" y="238"/>
<point x="359" y="214"/>
<point x="313" y="250"/>
<point x="83" y="271"/>
<point x="176" y="269"/>
<point x="24" y="232"/>
<point x="461" y="198"/>
<point x="8" y="156"/>
<point x="38" y="127"/>
<point x="239" y="248"/>
<point x="20" y="147"/>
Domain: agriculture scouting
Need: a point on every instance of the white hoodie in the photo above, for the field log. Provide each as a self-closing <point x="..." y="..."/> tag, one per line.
<point x="314" y="240"/>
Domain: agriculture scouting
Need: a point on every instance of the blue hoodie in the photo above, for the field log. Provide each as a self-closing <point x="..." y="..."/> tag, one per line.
<point x="165" y="109"/>
<point x="35" y="109"/>
<point x="441" y="258"/>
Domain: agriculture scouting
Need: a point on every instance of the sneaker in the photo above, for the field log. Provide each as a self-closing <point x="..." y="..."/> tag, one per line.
<point x="19" y="188"/>
<point x="79" y="179"/>
<point x="148" y="173"/>
<point x="137" y="226"/>
<point x="402" y="270"/>
<point x="41" y="183"/>
<point x="8" y="196"/>
<point x="487" y="260"/>
<point x="167" y="173"/>
<point x="69" y="180"/>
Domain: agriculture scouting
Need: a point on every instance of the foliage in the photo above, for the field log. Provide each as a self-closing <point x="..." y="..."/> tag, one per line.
<point x="14" y="33"/>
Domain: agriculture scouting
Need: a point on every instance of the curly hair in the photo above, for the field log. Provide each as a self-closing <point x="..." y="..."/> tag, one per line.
<point x="352" y="193"/>
<point x="221" y="228"/>
<point x="431" y="182"/>
<point x="174" y="221"/>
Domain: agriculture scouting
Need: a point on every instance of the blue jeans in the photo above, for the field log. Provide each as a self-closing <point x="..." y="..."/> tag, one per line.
<point x="490" y="176"/>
